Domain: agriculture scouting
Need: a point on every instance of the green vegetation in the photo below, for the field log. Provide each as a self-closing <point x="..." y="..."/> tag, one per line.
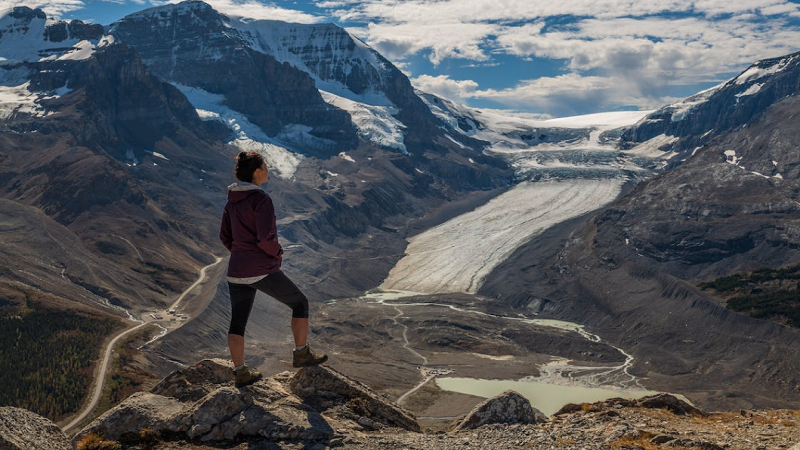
<point x="751" y="280"/>
<point x="47" y="357"/>
<point x="127" y="375"/>
<point x="764" y="293"/>
<point x="779" y="305"/>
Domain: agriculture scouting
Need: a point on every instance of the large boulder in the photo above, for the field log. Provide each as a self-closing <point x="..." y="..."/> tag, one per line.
<point x="21" y="429"/>
<point x="200" y="403"/>
<point x="196" y="381"/>
<point x="670" y="403"/>
<point x="327" y="387"/>
<point x="509" y="407"/>
<point x="142" y="410"/>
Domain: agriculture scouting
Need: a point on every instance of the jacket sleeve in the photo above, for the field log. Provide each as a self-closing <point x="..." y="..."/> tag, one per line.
<point x="225" y="234"/>
<point x="266" y="228"/>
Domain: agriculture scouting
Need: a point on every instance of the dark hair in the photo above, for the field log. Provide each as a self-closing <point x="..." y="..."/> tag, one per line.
<point x="246" y="164"/>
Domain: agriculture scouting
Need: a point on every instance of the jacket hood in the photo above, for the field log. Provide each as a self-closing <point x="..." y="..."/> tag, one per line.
<point x="241" y="190"/>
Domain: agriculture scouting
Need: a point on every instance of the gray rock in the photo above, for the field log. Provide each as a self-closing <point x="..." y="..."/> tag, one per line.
<point x="323" y="383"/>
<point x="508" y="407"/>
<point x="621" y="431"/>
<point x="196" y="381"/>
<point x="141" y="410"/>
<point x="217" y="407"/>
<point x="670" y="403"/>
<point x="21" y="429"/>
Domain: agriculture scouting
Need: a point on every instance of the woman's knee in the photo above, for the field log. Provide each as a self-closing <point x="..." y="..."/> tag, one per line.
<point x="300" y="307"/>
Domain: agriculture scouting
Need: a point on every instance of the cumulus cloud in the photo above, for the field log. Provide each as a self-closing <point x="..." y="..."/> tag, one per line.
<point x="53" y="8"/>
<point x="645" y="46"/>
<point x="560" y="96"/>
<point x="441" y="41"/>
<point x="443" y="85"/>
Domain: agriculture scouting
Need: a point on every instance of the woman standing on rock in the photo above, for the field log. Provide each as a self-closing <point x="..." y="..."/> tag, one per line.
<point x="249" y="231"/>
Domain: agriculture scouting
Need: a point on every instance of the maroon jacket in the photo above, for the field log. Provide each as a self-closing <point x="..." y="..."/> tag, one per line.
<point x="248" y="230"/>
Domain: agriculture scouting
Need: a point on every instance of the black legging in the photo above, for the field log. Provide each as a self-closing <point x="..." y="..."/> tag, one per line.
<point x="276" y="285"/>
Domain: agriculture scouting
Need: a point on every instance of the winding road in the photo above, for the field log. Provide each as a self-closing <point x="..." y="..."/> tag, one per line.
<point x="106" y="361"/>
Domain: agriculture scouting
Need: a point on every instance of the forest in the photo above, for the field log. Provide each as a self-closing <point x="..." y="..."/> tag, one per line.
<point x="765" y="293"/>
<point x="47" y="357"/>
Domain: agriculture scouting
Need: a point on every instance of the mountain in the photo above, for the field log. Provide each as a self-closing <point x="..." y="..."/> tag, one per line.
<point x="696" y="120"/>
<point x="115" y="158"/>
<point x="631" y="272"/>
<point x="84" y="129"/>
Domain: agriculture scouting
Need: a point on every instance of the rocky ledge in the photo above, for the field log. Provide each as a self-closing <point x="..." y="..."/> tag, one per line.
<point x="317" y="408"/>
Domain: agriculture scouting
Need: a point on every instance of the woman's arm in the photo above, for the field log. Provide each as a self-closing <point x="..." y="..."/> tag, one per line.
<point x="266" y="228"/>
<point x="225" y="234"/>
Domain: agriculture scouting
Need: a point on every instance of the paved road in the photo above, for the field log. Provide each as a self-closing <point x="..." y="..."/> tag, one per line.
<point x="104" y="365"/>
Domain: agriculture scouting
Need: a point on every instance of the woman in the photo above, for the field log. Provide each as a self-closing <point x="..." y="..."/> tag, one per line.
<point x="248" y="230"/>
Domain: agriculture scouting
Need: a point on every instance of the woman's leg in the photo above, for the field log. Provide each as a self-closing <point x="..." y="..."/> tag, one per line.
<point x="282" y="289"/>
<point x="242" y="297"/>
<point x="300" y="331"/>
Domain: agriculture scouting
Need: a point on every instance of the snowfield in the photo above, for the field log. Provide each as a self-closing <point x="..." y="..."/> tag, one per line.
<point x="457" y="255"/>
<point x="248" y="136"/>
<point x="375" y="123"/>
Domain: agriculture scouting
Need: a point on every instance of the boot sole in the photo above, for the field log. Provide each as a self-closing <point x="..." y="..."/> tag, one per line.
<point x="238" y="385"/>
<point x="311" y="364"/>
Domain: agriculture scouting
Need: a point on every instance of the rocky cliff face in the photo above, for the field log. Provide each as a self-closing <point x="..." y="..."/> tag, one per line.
<point x="344" y="65"/>
<point x="696" y="120"/>
<point x="191" y="44"/>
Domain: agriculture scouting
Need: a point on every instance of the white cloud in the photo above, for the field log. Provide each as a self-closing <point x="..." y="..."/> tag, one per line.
<point x="254" y="9"/>
<point x="646" y="47"/>
<point x="458" y="90"/>
<point x="53" y="8"/>
<point x="561" y="96"/>
<point x="447" y="40"/>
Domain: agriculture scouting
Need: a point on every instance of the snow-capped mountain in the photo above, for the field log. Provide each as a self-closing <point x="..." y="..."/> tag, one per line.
<point x="689" y="124"/>
<point x="27" y="35"/>
<point x="193" y="46"/>
<point x="117" y="137"/>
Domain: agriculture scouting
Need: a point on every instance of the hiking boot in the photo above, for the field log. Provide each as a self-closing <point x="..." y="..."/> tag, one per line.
<point x="245" y="376"/>
<point x="305" y="357"/>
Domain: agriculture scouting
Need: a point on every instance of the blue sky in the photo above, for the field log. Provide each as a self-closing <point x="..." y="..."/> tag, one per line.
<point x="554" y="58"/>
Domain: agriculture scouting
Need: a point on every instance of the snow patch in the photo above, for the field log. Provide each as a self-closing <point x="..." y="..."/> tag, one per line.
<point x="345" y="157"/>
<point x="159" y="155"/>
<point x="756" y="72"/>
<point x="751" y="90"/>
<point x="79" y="52"/>
<point x="455" y="141"/>
<point x="19" y="100"/>
<point x="374" y="123"/>
<point x="652" y="148"/>
<point x="730" y="157"/>
<point x="247" y="136"/>
<point x="607" y="120"/>
<point x="682" y="109"/>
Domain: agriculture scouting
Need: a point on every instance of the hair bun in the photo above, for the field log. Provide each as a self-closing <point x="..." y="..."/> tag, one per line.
<point x="241" y="156"/>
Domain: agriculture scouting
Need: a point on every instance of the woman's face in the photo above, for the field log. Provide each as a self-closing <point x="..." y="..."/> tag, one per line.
<point x="261" y="175"/>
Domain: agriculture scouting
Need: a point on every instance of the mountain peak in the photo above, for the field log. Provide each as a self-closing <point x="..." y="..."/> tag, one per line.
<point x="23" y="12"/>
<point x="197" y="8"/>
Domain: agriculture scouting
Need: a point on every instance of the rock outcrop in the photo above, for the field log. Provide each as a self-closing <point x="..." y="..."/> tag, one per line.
<point x="659" y="401"/>
<point x="199" y="403"/>
<point x="508" y="408"/>
<point x="21" y="429"/>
